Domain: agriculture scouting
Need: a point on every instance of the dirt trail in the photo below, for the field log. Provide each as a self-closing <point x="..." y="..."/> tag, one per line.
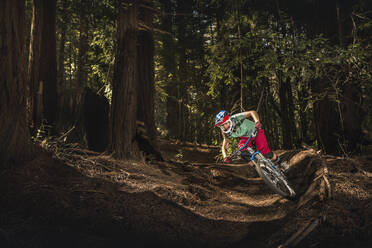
<point x="91" y="200"/>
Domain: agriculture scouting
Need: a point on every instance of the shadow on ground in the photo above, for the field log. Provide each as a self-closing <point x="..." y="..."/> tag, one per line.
<point x="86" y="199"/>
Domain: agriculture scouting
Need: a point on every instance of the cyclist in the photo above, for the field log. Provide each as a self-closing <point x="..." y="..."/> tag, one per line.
<point x="239" y="126"/>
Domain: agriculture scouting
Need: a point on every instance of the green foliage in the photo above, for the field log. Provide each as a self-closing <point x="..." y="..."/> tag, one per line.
<point x="199" y="54"/>
<point x="101" y="16"/>
<point x="275" y="51"/>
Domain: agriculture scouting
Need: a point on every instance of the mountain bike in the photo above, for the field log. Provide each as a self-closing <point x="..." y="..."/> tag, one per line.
<point x="266" y="169"/>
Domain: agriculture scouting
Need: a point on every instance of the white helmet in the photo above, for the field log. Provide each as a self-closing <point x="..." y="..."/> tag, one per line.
<point x="221" y="118"/>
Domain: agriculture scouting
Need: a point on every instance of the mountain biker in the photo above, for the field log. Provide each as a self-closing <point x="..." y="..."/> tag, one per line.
<point x="239" y="126"/>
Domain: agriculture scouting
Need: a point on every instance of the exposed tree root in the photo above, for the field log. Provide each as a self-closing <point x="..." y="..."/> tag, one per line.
<point x="297" y="237"/>
<point x="186" y="202"/>
<point x="324" y="190"/>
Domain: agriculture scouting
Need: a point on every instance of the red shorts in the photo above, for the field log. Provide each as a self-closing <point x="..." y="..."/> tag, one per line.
<point x="260" y="140"/>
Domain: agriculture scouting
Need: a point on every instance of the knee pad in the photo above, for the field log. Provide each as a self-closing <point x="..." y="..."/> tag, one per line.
<point x="269" y="155"/>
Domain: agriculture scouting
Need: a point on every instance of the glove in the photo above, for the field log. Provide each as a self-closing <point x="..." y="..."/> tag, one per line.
<point x="227" y="160"/>
<point x="258" y="125"/>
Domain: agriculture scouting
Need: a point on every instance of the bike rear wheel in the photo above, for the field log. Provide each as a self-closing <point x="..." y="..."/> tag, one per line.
<point x="274" y="178"/>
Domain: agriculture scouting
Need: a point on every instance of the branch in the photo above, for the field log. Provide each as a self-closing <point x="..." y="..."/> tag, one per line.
<point x="143" y="26"/>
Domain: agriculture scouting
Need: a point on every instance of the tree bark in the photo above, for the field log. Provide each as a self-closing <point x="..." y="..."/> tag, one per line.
<point x="326" y="118"/>
<point x="220" y="12"/>
<point x="146" y="82"/>
<point x="124" y="88"/>
<point x="34" y="66"/>
<point x="287" y="118"/>
<point x="61" y="58"/>
<point x="303" y="115"/>
<point x="14" y="133"/>
<point x="42" y="70"/>
<point x="169" y="62"/>
<point x="351" y="116"/>
<point x="181" y="72"/>
<point x="49" y="63"/>
<point x="291" y="115"/>
<point x="82" y="76"/>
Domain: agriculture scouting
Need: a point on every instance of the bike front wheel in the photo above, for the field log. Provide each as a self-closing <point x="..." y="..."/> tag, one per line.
<point x="274" y="178"/>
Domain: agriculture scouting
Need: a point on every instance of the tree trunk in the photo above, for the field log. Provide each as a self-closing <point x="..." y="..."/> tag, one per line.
<point x="146" y="85"/>
<point x="351" y="116"/>
<point x="326" y="118"/>
<point x="34" y="66"/>
<point x="49" y="63"/>
<point x="286" y="118"/>
<point x="327" y="17"/>
<point x="146" y="72"/>
<point x="82" y="76"/>
<point x="291" y="117"/>
<point x="42" y="70"/>
<point x="268" y="115"/>
<point x="184" y="42"/>
<point x="124" y="88"/>
<point x="71" y="115"/>
<point x="219" y="37"/>
<point x="61" y="58"/>
<point x="182" y="112"/>
<point x="169" y="62"/>
<point x="14" y="133"/>
<point x="303" y="115"/>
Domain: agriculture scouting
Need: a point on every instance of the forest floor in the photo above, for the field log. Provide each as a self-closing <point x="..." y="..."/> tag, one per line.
<point x="77" y="198"/>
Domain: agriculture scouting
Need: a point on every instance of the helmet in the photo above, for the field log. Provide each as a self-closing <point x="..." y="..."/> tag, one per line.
<point x="221" y="118"/>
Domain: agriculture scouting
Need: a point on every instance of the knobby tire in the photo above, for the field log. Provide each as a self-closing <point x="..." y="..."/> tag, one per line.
<point x="279" y="184"/>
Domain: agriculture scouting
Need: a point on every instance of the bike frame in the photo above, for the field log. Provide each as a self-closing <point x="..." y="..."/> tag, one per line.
<point x="254" y="154"/>
<point x="245" y="144"/>
<point x="274" y="171"/>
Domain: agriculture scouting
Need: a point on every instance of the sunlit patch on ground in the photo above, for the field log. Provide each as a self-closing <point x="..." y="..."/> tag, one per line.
<point x="194" y="200"/>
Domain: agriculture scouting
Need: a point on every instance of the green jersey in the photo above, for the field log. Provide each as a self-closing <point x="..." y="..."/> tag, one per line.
<point x="244" y="127"/>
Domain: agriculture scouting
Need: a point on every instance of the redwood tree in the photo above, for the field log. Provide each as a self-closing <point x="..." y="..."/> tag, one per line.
<point x="62" y="30"/>
<point x="334" y="20"/>
<point x="82" y="73"/>
<point x="168" y="59"/>
<point x="14" y="134"/>
<point x="124" y="86"/>
<point x="146" y="87"/>
<point x="42" y="67"/>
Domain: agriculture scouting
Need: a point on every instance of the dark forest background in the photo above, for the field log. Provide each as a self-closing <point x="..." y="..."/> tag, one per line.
<point x="117" y="75"/>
